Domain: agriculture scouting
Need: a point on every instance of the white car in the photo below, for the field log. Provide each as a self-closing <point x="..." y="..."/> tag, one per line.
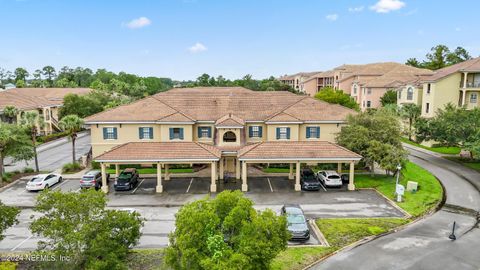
<point x="329" y="178"/>
<point x="43" y="181"/>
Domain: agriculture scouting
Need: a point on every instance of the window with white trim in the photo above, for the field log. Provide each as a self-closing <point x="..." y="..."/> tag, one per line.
<point x="255" y="132"/>
<point x="283" y="133"/>
<point x="410" y="93"/>
<point x="109" y="133"/>
<point x="473" y="98"/>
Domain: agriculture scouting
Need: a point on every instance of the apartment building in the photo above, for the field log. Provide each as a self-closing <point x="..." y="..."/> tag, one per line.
<point x="45" y="101"/>
<point x="228" y="128"/>
<point x="296" y="81"/>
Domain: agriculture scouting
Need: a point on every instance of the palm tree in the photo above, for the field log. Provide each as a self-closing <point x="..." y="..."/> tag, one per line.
<point x="32" y="120"/>
<point x="71" y="124"/>
<point x="10" y="112"/>
<point x="411" y="112"/>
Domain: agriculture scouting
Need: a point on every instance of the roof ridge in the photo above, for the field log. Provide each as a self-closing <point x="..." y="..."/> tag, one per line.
<point x="283" y="110"/>
<point x="113" y="108"/>
<point x="253" y="147"/>
<point x="208" y="150"/>
<point x="173" y="108"/>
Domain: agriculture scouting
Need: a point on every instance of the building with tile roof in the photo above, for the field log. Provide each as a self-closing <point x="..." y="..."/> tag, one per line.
<point x="228" y="128"/>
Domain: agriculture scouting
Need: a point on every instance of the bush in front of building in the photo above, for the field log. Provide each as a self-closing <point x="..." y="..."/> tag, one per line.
<point x="71" y="167"/>
<point x="80" y="233"/>
<point x="225" y="232"/>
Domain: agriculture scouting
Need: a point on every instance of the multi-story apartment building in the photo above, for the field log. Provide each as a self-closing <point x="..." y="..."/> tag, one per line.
<point x="45" y="101"/>
<point x="228" y="128"/>
<point x="296" y="81"/>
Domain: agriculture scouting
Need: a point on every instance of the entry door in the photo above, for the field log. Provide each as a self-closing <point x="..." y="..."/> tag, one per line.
<point x="230" y="164"/>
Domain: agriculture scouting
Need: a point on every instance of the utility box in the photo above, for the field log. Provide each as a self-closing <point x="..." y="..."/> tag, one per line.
<point x="412" y="186"/>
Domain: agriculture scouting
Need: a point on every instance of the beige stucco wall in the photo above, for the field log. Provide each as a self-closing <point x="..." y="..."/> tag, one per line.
<point x="346" y="85"/>
<point x="203" y="140"/>
<point x="468" y="96"/>
<point x="441" y="93"/>
<point x="310" y="87"/>
<point x="327" y="132"/>
<point x="417" y="95"/>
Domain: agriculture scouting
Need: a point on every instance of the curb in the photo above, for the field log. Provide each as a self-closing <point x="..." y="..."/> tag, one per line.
<point x="321" y="238"/>
<point x="392" y="203"/>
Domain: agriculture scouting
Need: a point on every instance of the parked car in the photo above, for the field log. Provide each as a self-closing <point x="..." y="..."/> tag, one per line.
<point x="127" y="179"/>
<point x="345" y="178"/>
<point x="308" y="180"/>
<point x="43" y="181"/>
<point x="296" y="222"/>
<point x="329" y="178"/>
<point x="93" y="179"/>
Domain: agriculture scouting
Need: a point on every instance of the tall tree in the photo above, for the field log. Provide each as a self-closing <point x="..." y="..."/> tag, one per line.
<point x="49" y="73"/>
<point x="437" y="58"/>
<point x="414" y="62"/>
<point x="11" y="113"/>
<point x="390" y="97"/>
<point x="410" y="112"/>
<point x="21" y="74"/>
<point x="15" y="143"/>
<point x="32" y="120"/>
<point x="458" y="56"/>
<point x="71" y="124"/>
<point x="330" y="95"/>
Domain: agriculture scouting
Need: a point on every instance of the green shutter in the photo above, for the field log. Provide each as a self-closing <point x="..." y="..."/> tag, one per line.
<point x="181" y="134"/>
<point x="199" y="132"/>
<point x="140" y="133"/>
<point x="104" y="133"/>
<point x="278" y="133"/>
<point x="171" y="133"/>
<point x="250" y="132"/>
<point x="308" y="132"/>
<point x="115" y="133"/>
<point x="318" y="132"/>
<point x="151" y="132"/>
<point x="288" y="133"/>
<point x="260" y="132"/>
<point x="209" y="132"/>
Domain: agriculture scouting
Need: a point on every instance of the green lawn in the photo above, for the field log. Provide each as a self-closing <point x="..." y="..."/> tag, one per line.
<point x="438" y="149"/>
<point x="341" y="232"/>
<point x="154" y="170"/>
<point x="428" y="195"/>
<point x="474" y="164"/>
<point x="276" y="170"/>
<point x="299" y="257"/>
<point x="143" y="259"/>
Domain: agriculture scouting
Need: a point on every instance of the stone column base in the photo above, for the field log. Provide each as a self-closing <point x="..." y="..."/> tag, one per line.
<point x="244" y="187"/>
<point x="351" y="186"/>
<point x="213" y="188"/>
<point x="105" y="189"/>
<point x="159" y="189"/>
<point x="298" y="187"/>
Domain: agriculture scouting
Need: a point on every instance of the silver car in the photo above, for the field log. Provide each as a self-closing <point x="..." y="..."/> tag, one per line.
<point x="329" y="178"/>
<point x="92" y="179"/>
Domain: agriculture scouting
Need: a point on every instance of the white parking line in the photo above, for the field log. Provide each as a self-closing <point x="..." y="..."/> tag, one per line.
<point x="270" y="184"/>
<point x="59" y="185"/>
<point x="323" y="186"/>
<point x="138" y="185"/>
<point x="21" y="243"/>
<point x="188" y="189"/>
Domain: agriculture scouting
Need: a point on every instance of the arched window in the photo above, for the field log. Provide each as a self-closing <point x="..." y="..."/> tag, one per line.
<point x="354" y="89"/>
<point x="410" y="93"/>
<point x="229" y="136"/>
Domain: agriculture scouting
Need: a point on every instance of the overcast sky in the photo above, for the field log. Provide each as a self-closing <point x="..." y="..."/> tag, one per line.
<point x="182" y="39"/>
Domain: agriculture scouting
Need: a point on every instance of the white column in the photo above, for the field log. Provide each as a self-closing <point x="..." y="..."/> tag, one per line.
<point x="297" y="177"/>
<point x="221" y="165"/>
<point x="213" y="184"/>
<point x="464" y="96"/>
<point x="244" y="176"/>
<point x="351" y="184"/>
<point x="290" y="174"/>
<point x="167" y="173"/>
<point x="465" y="79"/>
<point x="104" y="178"/>
<point x="237" y="169"/>
<point x="159" y="178"/>
<point x="339" y="168"/>
<point x="117" y="170"/>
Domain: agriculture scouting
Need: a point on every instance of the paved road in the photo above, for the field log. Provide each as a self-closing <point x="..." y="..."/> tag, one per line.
<point x="425" y="244"/>
<point x="54" y="155"/>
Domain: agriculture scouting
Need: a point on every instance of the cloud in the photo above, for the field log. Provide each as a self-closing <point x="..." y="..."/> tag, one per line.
<point x="331" y="17"/>
<point x="138" y="23"/>
<point x="197" y="47"/>
<point x="356" y="9"/>
<point x="385" y="6"/>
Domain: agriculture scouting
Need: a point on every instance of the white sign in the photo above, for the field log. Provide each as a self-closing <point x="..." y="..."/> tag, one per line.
<point x="400" y="190"/>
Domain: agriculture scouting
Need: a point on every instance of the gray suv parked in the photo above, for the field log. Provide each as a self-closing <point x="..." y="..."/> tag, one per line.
<point x="93" y="179"/>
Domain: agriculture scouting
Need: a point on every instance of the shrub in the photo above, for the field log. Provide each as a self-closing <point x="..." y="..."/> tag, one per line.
<point x="71" y="167"/>
<point x="28" y="170"/>
<point x="51" y="137"/>
<point x="95" y="165"/>
<point x="7" y="265"/>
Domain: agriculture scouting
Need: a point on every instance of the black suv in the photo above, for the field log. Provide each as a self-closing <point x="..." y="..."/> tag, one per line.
<point x="127" y="179"/>
<point x="308" y="180"/>
<point x="296" y="222"/>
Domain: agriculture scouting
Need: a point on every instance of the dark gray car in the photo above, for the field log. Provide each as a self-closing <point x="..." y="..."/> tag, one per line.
<point x="296" y="222"/>
<point x="92" y="179"/>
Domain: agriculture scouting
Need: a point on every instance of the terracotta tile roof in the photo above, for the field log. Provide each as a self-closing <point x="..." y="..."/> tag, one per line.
<point x="372" y="69"/>
<point x="283" y="117"/>
<point x="160" y="151"/>
<point x="296" y="150"/>
<point x="175" y="117"/>
<point x="472" y="65"/>
<point x="299" y="74"/>
<point x="212" y="103"/>
<point x="229" y="120"/>
<point x="397" y="76"/>
<point x="32" y="98"/>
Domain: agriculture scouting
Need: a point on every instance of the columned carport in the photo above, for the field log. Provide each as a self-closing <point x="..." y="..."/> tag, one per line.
<point x="161" y="154"/>
<point x="296" y="153"/>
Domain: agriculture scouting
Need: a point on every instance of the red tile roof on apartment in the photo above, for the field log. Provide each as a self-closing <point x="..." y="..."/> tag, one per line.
<point x="213" y="103"/>
<point x="296" y="150"/>
<point x="472" y="65"/>
<point x="397" y="76"/>
<point x="160" y="151"/>
<point x="32" y="98"/>
<point x="229" y="120"/>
